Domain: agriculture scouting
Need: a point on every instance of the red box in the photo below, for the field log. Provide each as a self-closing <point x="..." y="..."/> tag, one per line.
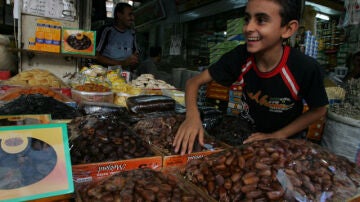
<point x="181" y="160"/>
<point x="95" y="171"/>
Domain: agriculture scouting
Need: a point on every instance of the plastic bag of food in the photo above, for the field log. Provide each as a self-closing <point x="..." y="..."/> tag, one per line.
<point x="210" y="116"/>
<point x="150" y="103"/>
<point x="39" y="104"/>
<point x="275" y="170"/>
<point x="45" y="91"/>
<point x="104" y="138"/>
<point x="141" y="185"/>
<point x="232" y="130"/>
<point x="36" y="77"/>
<point x="88" y="108"/>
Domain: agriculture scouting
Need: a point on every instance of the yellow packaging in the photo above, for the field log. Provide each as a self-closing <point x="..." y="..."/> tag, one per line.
<point x="48" y="35"/>
<point x="31" y="43"/>
<point x="39" y="35"/>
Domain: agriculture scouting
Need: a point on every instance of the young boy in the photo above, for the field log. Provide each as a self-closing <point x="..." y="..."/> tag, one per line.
<point x="275" y="78"/>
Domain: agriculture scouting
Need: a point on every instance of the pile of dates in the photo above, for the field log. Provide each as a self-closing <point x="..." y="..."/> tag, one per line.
<point x="140" y="185"/>
<point x="275" y="170"/>
<point x="160" y="131"/>
<point x="232" y="130"/>
<point x="96" y="139"/>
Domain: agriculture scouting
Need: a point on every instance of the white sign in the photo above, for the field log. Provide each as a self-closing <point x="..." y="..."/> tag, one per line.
<point x="59" y="9"/>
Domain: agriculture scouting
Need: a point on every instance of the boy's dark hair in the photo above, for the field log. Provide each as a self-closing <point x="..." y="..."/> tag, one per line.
<point x="119" y="8"/>
<point x="291" y="10"/>
<point x="155" y="51"/>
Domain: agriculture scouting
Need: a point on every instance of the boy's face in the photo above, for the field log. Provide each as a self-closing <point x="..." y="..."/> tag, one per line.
<point x="126" y="18"/>
<point x="262" y="26"/>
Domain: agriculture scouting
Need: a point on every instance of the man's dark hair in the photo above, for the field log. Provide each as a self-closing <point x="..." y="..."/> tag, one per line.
<point x="290" y="10"/>
<point x="155" y="51"/>
<point x="119" y="8"/>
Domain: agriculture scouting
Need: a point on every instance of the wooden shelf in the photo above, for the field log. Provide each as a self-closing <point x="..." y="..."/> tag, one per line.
<point x="35" y="52"/>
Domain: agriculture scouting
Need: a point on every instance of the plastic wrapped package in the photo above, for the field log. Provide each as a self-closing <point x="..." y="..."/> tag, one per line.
<point x="39" y="104"/>
<point x="88" y="108"/>
<point x="36" y="77"/>
<point x="45" y="91"/>
<point x="150" y="103"/>
<point x="232" y="130"/>
<point x="140" y="185"/>
<point x="160" y="130"/>
<point x="83" y="96"/>
<point x="100" y="139"/>
<point x="275" y="170"/>
<point x="210" y="116"/>
<point x="341" y="136"/>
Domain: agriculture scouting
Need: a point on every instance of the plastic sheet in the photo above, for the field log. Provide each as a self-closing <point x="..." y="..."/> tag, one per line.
<point x="140" y="185"/>
<point x="341" y="136"/>
<point x="104" y="138"/>
<point x="232" y="130"/>
<point x="275" y="170"/>
<point x="88" y="108"/>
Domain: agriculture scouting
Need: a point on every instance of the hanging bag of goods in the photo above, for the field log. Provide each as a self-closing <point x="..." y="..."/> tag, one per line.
<point x="352" y="15"/>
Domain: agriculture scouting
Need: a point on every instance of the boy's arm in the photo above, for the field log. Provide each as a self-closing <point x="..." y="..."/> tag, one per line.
<point x="192" y="125"/>
<point x="299" y="124"/>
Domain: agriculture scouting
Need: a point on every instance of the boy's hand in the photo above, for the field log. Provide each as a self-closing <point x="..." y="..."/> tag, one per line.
<point x="259" y="136"/>
<point x="186" y="134"/>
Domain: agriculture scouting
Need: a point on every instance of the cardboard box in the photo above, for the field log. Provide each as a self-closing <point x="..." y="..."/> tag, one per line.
<point x="95" y="171"/>
<point x="76" y="41"/>
<point x="47" y="36"/>
<point x="182" y="160"/>
<point x="315" y="130"/>
<point x="46" y="171"/>
<point x="13" y="120"/>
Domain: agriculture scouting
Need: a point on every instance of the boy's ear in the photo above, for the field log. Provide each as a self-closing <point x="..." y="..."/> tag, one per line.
<point x="290" y="29"/>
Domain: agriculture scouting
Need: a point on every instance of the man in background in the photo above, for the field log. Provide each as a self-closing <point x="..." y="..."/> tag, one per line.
<point x="117" y="43"/>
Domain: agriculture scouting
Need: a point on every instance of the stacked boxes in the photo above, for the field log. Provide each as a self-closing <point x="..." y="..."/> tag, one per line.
<point x="235" y="104"/>
<point x="311" y="45"/>
<point x="47" y="36"/>
<point x="217" y="91"/>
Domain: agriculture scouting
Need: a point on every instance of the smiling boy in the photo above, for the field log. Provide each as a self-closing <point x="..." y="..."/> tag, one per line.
<point x="275" y="78"/>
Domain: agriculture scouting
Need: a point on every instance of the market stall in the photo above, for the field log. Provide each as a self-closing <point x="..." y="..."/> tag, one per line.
<point x="71" y="131"/>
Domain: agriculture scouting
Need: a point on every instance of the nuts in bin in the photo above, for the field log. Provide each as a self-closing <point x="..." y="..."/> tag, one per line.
<point x="91" y="87"/>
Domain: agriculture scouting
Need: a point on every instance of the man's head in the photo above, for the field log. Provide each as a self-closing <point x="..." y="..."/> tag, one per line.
<point x="269" y="22"/>
<point x="124" y="16"/>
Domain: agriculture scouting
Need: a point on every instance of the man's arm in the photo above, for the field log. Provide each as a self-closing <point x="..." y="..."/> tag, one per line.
<point x="299" y="124"/>
<point x="192" y="125"/>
